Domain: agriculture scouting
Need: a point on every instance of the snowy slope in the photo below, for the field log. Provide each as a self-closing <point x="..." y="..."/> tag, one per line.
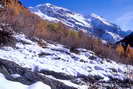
<point x="56" y="57"/>
<point x="91" y="23"/>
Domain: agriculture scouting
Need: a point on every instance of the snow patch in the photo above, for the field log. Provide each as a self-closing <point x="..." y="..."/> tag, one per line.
<point x="6" y="84"/>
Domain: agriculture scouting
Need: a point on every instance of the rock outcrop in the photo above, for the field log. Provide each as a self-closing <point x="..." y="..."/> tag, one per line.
<point x="8" y="68"/>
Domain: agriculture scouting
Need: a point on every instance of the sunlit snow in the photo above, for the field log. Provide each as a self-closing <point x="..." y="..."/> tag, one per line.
<point x="6" y="84"/>
<point x="59" y="59"/>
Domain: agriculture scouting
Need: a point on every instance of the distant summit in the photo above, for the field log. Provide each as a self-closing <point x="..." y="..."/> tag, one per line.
<point x="92" y="24"/>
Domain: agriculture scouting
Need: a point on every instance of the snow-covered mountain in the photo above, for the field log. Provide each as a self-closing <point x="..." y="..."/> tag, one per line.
<point x="92" y="24"/>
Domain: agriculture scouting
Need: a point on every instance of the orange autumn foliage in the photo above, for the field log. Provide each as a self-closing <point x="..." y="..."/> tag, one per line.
<point x="129" y="52"/>
<point x="120" y="50"/>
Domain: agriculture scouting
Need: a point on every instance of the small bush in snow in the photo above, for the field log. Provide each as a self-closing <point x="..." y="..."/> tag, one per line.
<point x="6" y="37"/>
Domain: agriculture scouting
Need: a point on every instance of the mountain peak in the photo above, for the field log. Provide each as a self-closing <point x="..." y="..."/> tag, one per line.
<point x="49" y="5"/>
<point x="93" y="24"/>
<point x="45" y="4"/>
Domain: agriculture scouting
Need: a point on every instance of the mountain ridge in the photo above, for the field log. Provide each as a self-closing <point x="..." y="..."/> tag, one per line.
<point x="90" y="24"/>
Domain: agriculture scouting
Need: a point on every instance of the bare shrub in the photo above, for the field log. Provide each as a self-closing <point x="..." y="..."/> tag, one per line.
<point x="6" y="37"/>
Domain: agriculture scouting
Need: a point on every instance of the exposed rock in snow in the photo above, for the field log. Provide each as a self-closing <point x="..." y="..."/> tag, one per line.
<point x="27" y="77"/>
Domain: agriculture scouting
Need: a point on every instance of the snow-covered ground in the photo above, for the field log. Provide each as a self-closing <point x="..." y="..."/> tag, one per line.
<point x="6" y="84"/>
<point x="69" y="83"/>
<point x="55" y="57"/>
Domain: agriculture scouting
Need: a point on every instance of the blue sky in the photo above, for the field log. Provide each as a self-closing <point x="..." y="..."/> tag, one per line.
<point x="116" y="11"/>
